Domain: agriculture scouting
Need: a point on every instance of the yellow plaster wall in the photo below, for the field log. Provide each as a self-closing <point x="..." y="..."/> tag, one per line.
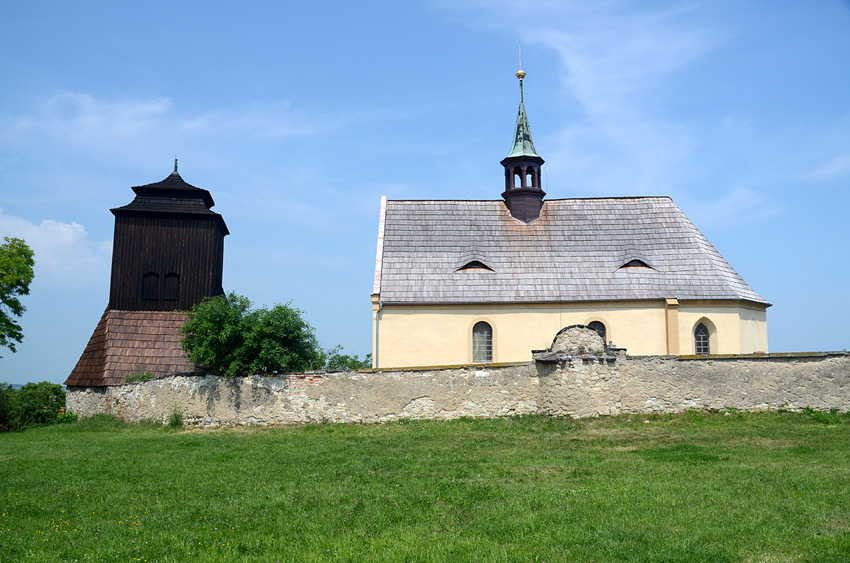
<point x="426" y="335"/>
<point x="737" y="328"/>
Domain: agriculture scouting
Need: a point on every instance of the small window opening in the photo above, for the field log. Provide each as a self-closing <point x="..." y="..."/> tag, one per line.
<point x="529" y="179"/>
<point x="701" y="340"/>
<point x="475" y="265"/>
<point x="517" y="179"/>
<point x="635" y="264"/>
<point x="482" y="342"/>
<point x="150" y="286"/>
<point x="599" y="328"/>
<point x="171" y="286"/>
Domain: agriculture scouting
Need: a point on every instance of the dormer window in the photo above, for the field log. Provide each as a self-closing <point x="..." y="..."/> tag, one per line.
<point x="473" y="260"/>
<point x="475" y="265"/>
<point x="636" y="263"/>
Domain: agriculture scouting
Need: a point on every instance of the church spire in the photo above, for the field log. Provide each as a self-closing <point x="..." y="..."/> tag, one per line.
<point x="523" y="194"/>
<point x="523" y="145"/>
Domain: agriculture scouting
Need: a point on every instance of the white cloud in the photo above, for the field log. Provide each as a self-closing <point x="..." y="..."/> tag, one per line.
<point x="95" y="124"/>
<point x="81" y="119"/>
<point x="619" y="58"/>
<point x="613" y="51"/>
<point x="737" y="206"/>
<point x="833" y="169"/>
<point x="613" y="59"/>
<point x="64" y="254"/>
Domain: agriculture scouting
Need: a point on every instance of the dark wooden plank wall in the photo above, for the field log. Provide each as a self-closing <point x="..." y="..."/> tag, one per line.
<point x="192" y="247"/>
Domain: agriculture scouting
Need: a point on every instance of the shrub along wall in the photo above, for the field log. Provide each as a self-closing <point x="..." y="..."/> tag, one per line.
<point x="561" y="384"/>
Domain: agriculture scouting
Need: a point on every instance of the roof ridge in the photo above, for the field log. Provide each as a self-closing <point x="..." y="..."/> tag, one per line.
<point x="594" y="198"/>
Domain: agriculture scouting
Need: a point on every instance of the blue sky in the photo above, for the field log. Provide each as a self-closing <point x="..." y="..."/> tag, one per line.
<point x="297" y="117"/>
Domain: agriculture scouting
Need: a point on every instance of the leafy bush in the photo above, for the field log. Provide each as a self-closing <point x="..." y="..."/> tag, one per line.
<point x="38" y="403"/>
<point x="334" y="359"/>
<point x="223" y="334"/>
<point x="34" y="403"/>
<point x="6" y="398"/>
<point x="65" y="417"/>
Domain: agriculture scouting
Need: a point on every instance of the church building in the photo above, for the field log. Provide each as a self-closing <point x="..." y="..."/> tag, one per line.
<point x="167" y="255"/>
<point x="460" y="281"/>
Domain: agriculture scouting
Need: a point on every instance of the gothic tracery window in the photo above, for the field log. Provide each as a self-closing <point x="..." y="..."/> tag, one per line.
<point x="701" y="339"/>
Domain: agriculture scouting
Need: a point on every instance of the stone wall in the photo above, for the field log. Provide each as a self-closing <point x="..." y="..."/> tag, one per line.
<point x="357" y="396"/>
<point x="578" y="376"/>
<point x="590" y="386"/>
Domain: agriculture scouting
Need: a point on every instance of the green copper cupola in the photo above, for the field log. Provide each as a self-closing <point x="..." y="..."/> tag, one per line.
<point x="523" y="194"/>
<point x="523" y="145"/>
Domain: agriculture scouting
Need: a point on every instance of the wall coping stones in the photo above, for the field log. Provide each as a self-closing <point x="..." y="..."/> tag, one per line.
<point x="756" y="356"/>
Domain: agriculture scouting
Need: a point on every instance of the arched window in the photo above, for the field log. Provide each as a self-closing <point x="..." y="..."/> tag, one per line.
<point x="482" y="342"/>
<point x="171" y="286"/>
<point x="701" y="340"/>
<point x="599" y="328"/>
<point x="150" y="286"/>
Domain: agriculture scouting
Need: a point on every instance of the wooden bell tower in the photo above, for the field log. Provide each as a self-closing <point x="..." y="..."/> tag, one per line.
<point x="167" y="255"/>
<point x="168" y="248"/>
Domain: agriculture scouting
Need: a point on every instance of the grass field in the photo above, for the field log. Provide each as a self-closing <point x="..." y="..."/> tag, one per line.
<point x="691" y="487"/>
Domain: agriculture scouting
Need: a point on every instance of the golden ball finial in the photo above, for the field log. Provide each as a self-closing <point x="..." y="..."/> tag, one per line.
<point x="520" y="74"/>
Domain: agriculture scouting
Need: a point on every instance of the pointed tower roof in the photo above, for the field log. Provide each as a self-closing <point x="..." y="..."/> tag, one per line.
<point x="523" y="145"/>
<point x="171" y="196"/>
<point x="523" y="192"/>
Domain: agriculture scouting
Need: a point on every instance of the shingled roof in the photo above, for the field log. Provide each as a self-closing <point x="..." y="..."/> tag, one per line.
<point x="576" y="251"/>
<point x="128" y="342"/>
<point x="171" y="196"/>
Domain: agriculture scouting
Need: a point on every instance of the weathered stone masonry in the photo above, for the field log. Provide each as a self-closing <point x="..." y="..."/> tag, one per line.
<point x="577" y="385"/>
<point x="363" y="396"/>
<point x="578" y="376"/>
<point x="588" y="386"/>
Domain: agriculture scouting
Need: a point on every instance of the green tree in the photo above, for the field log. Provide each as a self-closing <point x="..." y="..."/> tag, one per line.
<point x="335" y="360"/>
<point x="37" y="403"/>
<point x="16" y="274"/>
<point x="7" y="395"/>
<point x="34" y="403"/>
<point x="223" y="334"/>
